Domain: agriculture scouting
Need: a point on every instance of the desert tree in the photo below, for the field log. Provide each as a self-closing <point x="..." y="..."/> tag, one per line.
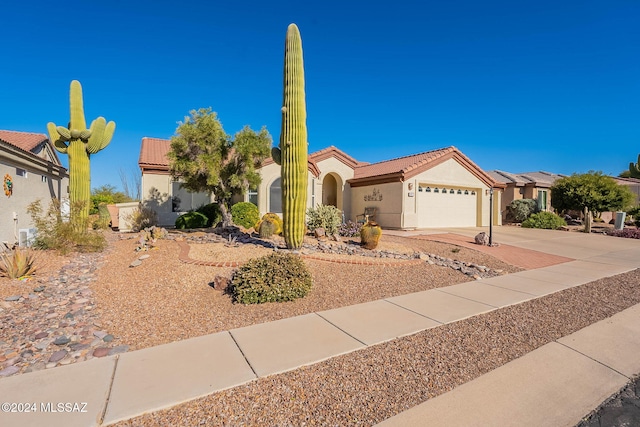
<point x="205" y="159"/>
<point x="590" y="193"/>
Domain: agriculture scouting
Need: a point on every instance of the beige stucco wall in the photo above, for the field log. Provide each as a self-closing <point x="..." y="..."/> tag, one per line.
<point x="157" y="190"/>
<point x="341" y="172"/>
<point x="386" y="198"/>
<point x="25" y="191"/>
<point x="338" y="170"/>
<point x="512" y="193"/>
<point x="398" y="207"/>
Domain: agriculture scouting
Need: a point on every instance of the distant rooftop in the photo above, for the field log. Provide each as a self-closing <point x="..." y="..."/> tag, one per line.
<point x="539" y="179"/>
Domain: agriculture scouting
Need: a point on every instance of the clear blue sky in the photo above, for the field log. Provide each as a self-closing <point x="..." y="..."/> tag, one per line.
<point x="516" y="85"/>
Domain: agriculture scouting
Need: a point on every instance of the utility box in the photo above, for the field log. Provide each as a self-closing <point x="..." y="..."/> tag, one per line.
<point x="26" y="236"/>
<point x="619" y="223"/>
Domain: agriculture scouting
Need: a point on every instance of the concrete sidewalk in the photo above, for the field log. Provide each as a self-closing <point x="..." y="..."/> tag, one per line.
<point x="104" y="391"/>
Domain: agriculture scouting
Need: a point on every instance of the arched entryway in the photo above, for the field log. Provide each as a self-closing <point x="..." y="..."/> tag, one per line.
<point x="332" y="190"/>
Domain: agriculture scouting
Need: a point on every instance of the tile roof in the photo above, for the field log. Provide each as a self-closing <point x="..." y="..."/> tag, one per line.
<point x="539" y="179"/>
<point x="35" y="144"/>
<point x="153" y="152"/>
<point x="400" y="165"/>
<point x="403" y="168"/>
<point x="24" y="140"/>
<point x="153" y="155"/>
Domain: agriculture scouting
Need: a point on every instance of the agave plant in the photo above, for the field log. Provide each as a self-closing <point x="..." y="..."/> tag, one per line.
<point x="17" y="263"/>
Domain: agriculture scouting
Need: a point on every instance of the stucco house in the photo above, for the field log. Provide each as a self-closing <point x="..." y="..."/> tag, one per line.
<point x="31" y="170"/>
<point x="438" y="188"/>
<point x="526" y="185"/>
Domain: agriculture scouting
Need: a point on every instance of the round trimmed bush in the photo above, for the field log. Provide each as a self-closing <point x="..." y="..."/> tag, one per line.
<point x="273" y="278"/>
<point x="191" y="220"/>
<point x="245" y="214"/>
<point x="212" y="212"/>
<point x="547" y="220"/>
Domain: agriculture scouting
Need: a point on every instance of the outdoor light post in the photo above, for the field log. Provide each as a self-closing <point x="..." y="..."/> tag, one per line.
<point x="491" y="217"/>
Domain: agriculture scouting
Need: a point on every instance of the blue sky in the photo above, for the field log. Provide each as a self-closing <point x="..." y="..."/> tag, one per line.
<point x="517" y="86"/>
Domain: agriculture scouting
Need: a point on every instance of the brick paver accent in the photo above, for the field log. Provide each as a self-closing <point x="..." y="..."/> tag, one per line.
<point x="513" y="255"/>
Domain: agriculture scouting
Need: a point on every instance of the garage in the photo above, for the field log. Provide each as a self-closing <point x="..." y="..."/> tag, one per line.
<point x="441" y="206"/>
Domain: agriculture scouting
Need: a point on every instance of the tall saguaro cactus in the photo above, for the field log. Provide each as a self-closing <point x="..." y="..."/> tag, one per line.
<point x="79" y="143"/>
<point x="292" y="154"/>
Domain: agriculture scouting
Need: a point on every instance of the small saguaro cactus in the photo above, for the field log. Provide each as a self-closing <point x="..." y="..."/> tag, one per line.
<point x="292" y="152"/>
<point x="79" y="143"/>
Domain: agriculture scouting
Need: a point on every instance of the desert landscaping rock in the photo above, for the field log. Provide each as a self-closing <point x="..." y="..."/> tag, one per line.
<point x="101" y="352"/>
<point x="55" y="320"/>
<point x="62" y="340"/>
<point x="135" y="263"/>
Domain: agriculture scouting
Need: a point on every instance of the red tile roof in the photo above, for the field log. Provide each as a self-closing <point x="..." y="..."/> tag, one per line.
<point x="401" y="164"/>
<point x="24" y="140"/>
<point x="153" y="153"/>
<point x="403" y="168"/>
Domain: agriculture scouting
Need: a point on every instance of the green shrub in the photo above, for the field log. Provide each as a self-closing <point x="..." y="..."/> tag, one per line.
<point x="212" y="212"/>
<point x="324" y="216"/>
<point x="273" y="278"/>
<point x="547" y="220"/>
<point x="64" y="233"/>
<point x="191" y="220"/>
<point x="521" y="209"/>
<point x="635" y="213"/>
<point x="245" y="214"/>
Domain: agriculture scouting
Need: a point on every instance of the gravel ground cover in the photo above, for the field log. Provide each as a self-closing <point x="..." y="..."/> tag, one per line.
<point x="165" y="300"/>
<point x="370" y="385"/>
<point x="82" y="306"/>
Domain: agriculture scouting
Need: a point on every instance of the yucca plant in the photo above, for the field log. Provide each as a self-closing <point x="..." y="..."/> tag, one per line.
<point x="17" y="263"/>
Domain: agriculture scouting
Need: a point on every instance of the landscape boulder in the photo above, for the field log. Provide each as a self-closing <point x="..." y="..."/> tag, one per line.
<point x="482" y="239"/>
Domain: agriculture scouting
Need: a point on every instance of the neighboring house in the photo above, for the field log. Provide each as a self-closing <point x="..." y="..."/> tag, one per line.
<point x="527" y="185"/>
<point x="439" y="188"/>
<point x="30" y="165"/>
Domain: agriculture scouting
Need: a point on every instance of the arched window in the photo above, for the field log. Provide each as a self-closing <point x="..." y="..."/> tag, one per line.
<point x="275" y="196"/>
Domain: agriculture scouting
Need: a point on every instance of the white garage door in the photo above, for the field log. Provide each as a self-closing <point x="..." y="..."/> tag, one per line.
<point x="446" y="207"/>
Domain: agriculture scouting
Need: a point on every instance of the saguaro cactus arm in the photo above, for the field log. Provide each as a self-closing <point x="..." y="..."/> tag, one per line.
<point x="101" y="134"/>
<point x="59" y="142"/>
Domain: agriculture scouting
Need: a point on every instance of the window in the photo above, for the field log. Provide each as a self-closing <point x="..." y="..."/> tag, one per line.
<point x="542" y="200"/>
<point x="44" y="178"/>
<point x="466" y="192"/>
<point x="459" y="191"/>
<point x="435" y="190"/>
<point x="275" y="196"/>
<point x="428" y="189"/>
<point x="452" y="191"/>
<point x="253" y="196"/>
<point x="21" y="172"/>
<point x="182" y="200"/>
